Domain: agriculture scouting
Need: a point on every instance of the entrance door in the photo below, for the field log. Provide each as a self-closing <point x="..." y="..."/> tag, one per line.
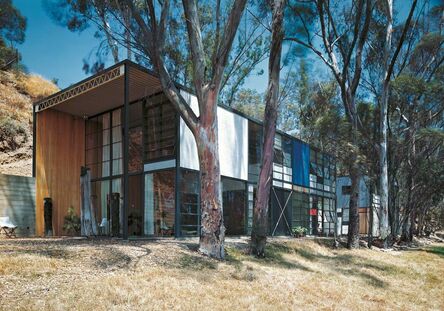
<point x="135" y="207"/>
<point x="280" y="212"/>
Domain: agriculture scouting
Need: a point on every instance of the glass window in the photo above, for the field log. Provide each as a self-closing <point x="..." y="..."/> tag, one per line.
<point x="234" y="200"/>
<point x="159" y="212"/>
<point x="97" y="146"/>
<point x="300" y="207"/>
<point x="254" y="150"/>
<point x="160" y="128"/>
<point x="189" y="203"/>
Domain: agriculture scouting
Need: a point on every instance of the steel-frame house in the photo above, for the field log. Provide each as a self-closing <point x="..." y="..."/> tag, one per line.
<point x="143" y="159"/>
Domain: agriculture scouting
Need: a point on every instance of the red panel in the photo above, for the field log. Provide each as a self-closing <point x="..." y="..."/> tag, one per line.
<point x="313" y="212"/>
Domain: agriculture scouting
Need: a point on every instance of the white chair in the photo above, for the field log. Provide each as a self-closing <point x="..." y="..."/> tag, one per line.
<point x="7" y="227"/>
<point x="103" y="226"/>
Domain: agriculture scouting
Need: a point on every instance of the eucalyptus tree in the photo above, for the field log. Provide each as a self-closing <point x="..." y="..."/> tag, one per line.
<point x="260" y="214"/>
<point x="339" y="42"/>
<point x="12" y="30"/>
<point x="148" y="27"/>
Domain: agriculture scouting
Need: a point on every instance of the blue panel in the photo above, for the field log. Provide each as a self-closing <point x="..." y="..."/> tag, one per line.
<point x="301" y="164"/>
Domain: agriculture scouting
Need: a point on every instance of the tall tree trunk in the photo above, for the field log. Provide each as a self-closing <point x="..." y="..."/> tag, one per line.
<point x="260" y="212"/>
<point x="353" y="227"/>
<point x="383" y="163"/>
<point x="212" y="232"/>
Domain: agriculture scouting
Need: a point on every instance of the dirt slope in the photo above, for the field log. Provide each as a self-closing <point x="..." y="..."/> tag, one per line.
<point x="17" y="93"/>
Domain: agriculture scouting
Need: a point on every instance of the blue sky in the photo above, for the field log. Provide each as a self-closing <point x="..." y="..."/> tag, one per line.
<point x="54" y="52"/>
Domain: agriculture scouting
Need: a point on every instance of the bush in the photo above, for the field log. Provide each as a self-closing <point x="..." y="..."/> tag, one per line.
<point x="71" y="224"/>
<point x="12" y="134"/>
<point x="299" y="231"/>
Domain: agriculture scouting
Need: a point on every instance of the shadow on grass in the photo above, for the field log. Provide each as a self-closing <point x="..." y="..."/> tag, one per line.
<point x="275" y="255"/>
<point x="280" y="255"/>
<point x="437" y="250"/>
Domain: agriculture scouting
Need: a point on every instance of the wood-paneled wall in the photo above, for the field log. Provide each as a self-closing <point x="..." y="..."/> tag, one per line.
<point x="60" y="153"/>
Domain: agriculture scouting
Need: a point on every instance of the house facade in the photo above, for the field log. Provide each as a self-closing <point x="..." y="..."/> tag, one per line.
<point x="368" y="204"/>
<point x="121" y="126"/>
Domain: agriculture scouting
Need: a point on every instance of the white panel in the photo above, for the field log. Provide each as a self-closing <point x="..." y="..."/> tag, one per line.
<point x="233" y="144"/>
<point x="188" y="149"/>
<point x="287" y="186"/>
<point x="159" y="165"/>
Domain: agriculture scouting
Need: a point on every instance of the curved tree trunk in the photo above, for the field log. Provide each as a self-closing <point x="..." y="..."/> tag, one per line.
<point x="212" y="232"/>
<point x="260" y="212"/>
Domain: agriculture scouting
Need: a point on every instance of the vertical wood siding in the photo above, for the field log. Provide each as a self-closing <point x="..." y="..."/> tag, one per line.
<point x="60" y="152"/>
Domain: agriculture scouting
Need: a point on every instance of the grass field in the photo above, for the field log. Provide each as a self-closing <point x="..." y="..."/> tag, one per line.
<point x="80" y="274"/>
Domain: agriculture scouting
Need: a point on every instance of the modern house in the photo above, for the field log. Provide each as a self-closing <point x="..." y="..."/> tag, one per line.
<point x="143" y="159"/>
<point x="366" y="200"/>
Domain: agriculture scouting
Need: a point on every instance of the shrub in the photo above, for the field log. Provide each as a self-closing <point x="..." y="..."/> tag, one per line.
<point x="71" y="224"/>
<point x="299" y="231"/>
<point x="12" y="134"/>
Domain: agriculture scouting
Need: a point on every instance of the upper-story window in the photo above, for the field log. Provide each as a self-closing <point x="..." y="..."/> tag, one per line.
<point x="159" y="128"/>
<point x="103" y="144"/>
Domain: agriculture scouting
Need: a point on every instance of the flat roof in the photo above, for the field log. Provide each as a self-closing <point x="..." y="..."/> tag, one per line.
<point x="105" y="91"/>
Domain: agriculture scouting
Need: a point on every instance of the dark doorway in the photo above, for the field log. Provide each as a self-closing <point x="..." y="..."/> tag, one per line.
<point x="135" y="207"/>
<point x="234" y="198"/>
<point x="280" y="212"/>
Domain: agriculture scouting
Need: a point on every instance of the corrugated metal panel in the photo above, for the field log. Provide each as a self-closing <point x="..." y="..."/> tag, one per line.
<point x="17" y="201"/>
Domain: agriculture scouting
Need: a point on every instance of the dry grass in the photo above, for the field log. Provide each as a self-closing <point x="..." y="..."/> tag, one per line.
<point x="297" y="274"/>
<point x="18" y="91"/>
<point x="36" y="86"/>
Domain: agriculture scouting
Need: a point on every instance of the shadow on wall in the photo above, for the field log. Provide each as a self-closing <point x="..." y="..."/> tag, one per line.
<point x="17" y="201"/>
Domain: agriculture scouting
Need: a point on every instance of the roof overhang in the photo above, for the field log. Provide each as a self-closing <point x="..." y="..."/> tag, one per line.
<point x="103" y="91"/>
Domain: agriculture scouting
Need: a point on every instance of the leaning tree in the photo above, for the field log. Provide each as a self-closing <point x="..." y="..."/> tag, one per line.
<point x="147" y="27"/>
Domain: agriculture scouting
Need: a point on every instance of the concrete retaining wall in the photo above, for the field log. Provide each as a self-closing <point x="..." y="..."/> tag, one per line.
<point x="17" y="200"/>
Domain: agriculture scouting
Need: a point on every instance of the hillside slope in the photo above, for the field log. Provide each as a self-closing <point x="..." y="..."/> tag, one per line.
<point x="17" y="93"/>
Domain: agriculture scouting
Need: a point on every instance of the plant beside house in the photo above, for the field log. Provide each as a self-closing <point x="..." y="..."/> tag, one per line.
<point x="71" y="224"/>
<point x="299" y="232"/>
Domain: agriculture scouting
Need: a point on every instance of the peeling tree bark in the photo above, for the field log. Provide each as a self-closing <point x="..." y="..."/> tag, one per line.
<point x="212" y="228"/>
<point x="260" y="212"/>
<point x="207" y="82"/>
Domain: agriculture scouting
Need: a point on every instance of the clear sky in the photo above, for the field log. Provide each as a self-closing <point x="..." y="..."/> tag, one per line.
<point x="54" y="52"/>
<point x="51" y="50"/>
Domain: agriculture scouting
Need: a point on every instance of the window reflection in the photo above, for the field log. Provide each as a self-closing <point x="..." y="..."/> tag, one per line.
<point x="159" y="213"/>
<point x="234" y="198"/>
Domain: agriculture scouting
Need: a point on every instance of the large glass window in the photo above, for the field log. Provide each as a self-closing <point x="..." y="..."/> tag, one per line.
<point x="100" y="198"/>
<point x="189" y="203"/>
<point x="282" y="170"/>
<point x="97" y="146"/>
<point x="160" y="128"/>
<point x="103" y="145"/>
<point x="117" y="154"/>
<point x="135" y="207"/>
<point x="254" y="150"/>
<point x="159" y="213"/>
<point x="301" y="207"/>
<point x="135" y="147"/>
<point x="234" y="198"/>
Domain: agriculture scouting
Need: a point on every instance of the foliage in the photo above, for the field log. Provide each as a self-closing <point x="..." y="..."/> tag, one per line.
<point x="299" y="231"/>
<point x="12" y="30"/>
<point x="71" y="224"/>
<point x="12" y="134"/>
